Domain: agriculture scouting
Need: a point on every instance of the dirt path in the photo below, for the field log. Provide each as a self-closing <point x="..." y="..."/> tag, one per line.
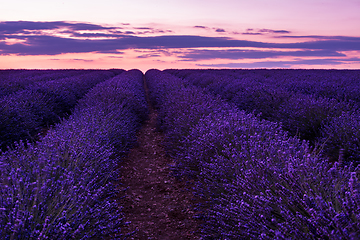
<point x="157" y="205"/>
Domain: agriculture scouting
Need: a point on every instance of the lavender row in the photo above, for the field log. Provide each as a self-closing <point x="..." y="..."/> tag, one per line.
<point x="13" y="74"/>
<point x="342" y="85"/>
<point x="15" y="80"/>
<point x="311" y="115"/>
<point x="256" y="181"/>
<point x="26" y="113"/>
<point x="64" y="186"/>
<point x="23" y="80"/>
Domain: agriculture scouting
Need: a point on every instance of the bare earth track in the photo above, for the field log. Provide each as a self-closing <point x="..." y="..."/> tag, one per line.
<point x="157" y="205"/>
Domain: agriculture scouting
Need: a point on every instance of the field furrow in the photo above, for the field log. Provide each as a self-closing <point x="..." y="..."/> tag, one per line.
<point x="156" y="203"/>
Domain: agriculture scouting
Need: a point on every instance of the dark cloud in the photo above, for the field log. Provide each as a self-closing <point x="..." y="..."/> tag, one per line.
<point x="247" y="65"/>
<point x="154" y="31"/>
<point x="318" y="37"/>
<point x="11" y="27"/>
<point x="355" y="59"/>
<point x="219" y="30"/>
<point x="97" y="35"/>
<point x="280" y="31"/>
<point x="251" y="31"/>
<point x="264" y="30"/>
<point x="144" y="28"/>
<point x="282" y="64"/>
<point x="51" y="45"/>
<point x="111" y="40"/>
<point x="340" y="44"/>
<point x="110" y="52"/>
<point x="200" y="27"/>
<point x="254" y="54"/>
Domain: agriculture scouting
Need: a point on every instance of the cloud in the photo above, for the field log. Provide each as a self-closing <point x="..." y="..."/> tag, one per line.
<point x="143" y="28"/>
<point x="110" y="52"/>
<point x="52" y="45"/>
<point x="85" y="37"/>
<point x="153" y="53"/>
<point x="11" y="27"/>
<point x="273" y="31"/>
<point x="49" y="45"/>
<point x="149" y="55"/>
<point x="251" y="31"/>
<point x="318" y="37"/>
<point x="219" y="30"/>
<point x="83" y="60"/>
<point x="96" y="35"/>
<point x="254" y="54"/>
<point x="73" y="59"/>
<point x="336" y="44"/>
<point x="268" y="64"/>
<point x="282" y="64"/>
<point x="200" y="27"/>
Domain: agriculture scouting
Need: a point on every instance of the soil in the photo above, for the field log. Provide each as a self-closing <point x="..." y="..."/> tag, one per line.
<point x="157" y="204"/>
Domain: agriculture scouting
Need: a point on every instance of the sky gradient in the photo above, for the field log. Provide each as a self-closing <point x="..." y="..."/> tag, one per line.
<point x="180" y="34"/>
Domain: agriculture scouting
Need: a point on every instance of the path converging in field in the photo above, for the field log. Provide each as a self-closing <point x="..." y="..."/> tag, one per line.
<point x="83" y="155"/>
<point x="157" y="205"/>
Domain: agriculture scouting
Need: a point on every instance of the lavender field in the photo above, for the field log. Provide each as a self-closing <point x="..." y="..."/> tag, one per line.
<point x="271" y="154"/>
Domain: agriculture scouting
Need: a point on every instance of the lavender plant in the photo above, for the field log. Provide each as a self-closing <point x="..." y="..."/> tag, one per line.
<point x="304" y="115"/>
<point x="341" y="137"/>
<point x="261" y="184"/>
<point x="302" y="100"/>
<point x="257" y="182"/>
<point x="25" y="113"/>
<point x="63" y="186"/>
<point x="180" y="106"/>
<point x="14" y="82"/>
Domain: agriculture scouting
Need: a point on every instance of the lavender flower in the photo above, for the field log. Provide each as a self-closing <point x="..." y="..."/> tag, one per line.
<point x="63" y="187"/>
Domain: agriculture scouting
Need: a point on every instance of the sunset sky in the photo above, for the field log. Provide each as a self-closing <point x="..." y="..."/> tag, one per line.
<point x="180" y="34"/>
